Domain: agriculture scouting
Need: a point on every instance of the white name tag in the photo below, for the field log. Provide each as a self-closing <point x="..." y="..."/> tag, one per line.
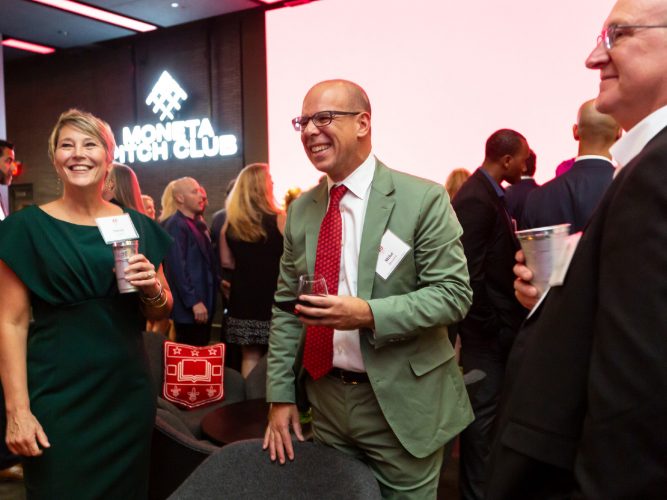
<point x="392" y="251"/>
<point x="116" y="228"/>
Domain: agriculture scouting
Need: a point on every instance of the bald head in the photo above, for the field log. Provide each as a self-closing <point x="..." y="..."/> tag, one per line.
<point x="355" y="96"/>
<point x="340" y="145"/>
<point x="595" y="131"/>
<point x="188" y="196"/>
<point x="183" y="184"/>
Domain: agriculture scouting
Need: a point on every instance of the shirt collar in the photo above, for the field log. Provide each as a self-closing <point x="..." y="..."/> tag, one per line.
<point x="359" y="180"/>
<point x="631" y="144"/>
<point x="499" y="191"/>
<point x="592" y="157"/>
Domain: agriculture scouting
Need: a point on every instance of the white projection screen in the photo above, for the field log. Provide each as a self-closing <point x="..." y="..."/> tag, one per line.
<point x="441" y="77"/>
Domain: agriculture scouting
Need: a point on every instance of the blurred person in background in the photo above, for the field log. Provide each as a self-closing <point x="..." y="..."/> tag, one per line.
<point x="78" y="394"/>
<point x="7" y="162"/>
<point x="455" y="180"/>
<point x="122" y="188"/>
<point x="516" y="194"/>
<point x="8" y="461"/>
<point x="251" y="245"/>
<point x="219" y="219"/>
<point x="199" y="219"/>
<point x="292" y="194"/>
<point x="190" y="266"/>
<point x="167" y="203"/>
<point x="572" y="197"/>
<point x="149" y="205"/>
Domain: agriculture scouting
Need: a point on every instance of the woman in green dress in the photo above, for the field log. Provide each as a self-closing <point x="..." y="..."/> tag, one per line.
<point x="78" y="397"/>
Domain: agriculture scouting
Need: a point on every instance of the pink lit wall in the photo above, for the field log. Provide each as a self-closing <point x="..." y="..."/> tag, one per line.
<point x="441" y="76"/>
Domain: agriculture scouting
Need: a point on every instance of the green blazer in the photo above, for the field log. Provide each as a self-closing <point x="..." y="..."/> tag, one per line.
<point x="408" y="357"/>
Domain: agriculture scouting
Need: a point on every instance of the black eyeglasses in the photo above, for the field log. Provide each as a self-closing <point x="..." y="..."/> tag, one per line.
<point x="613" y="32"/>
<point x="321" y="119"/>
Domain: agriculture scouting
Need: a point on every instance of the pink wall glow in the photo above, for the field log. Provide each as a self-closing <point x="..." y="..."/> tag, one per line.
<point x="441" y="76"/>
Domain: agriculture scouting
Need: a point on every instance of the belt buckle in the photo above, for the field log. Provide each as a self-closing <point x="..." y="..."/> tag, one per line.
<point x="346" y="381"/>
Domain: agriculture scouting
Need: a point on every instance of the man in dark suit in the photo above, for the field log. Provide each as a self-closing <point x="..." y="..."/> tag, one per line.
<point x="488" y="330"/>
<point x="516" y="194"/>
<point x="584" y="412"/>
<point x="573" y="196"/>
<point x="387" y="390"/>
<point x="190" y="267"/>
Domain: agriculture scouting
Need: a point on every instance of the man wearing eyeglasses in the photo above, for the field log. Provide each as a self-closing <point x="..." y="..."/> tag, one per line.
<point x="388" y="390"/>
<point x="585" y="409"/>
<point x="6" y="171"/>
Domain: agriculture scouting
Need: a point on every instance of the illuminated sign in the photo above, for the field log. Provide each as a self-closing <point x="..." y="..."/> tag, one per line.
<point x="180" y="139"/>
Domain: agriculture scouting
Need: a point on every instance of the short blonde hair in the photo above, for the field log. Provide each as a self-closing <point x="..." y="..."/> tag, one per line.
<point x="86" y="123"/>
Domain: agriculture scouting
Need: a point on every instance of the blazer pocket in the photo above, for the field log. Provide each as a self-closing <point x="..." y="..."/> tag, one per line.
<point x="429" y="359"/>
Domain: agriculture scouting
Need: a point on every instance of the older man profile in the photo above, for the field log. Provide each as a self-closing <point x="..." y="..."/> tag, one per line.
<point x="383" y="382"/>
<point x="585" y="410"/>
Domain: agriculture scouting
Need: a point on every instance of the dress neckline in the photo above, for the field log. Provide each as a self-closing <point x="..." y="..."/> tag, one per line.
<point x="67" y="222"/>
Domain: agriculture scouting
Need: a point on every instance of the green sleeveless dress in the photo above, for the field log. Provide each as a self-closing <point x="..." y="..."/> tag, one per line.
<point x="88" y="377"/>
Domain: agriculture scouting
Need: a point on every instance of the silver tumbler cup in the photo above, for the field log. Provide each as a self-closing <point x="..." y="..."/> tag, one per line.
<point x="122" y="251"/>
<point x="543" y="247"/>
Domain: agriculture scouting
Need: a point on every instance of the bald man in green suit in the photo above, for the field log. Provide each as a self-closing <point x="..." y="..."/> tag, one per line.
<point x="395" y="394"/>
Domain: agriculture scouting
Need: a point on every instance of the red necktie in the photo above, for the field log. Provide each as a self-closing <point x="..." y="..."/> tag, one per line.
<point x="318" y="351"/>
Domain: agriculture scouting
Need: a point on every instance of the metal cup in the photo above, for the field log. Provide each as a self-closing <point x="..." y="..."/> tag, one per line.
<point x="543" y="247"/>
<point x="122" y="251"/>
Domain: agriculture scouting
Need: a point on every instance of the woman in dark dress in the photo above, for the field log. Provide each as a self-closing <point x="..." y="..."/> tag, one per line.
<point x="252" y="235"/>
<point x="78" y="396"/>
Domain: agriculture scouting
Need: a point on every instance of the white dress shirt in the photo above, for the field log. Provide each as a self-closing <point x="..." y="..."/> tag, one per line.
<point x="631" y="144"/>
<point x="346" y="346"/>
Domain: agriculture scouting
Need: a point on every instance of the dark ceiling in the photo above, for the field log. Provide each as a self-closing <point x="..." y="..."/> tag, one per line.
<point x="44" y="25"/>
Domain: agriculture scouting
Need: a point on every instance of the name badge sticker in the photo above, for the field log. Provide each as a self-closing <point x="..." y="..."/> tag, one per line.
<point x="392" y="251"/>
<point x="116" y="228"/>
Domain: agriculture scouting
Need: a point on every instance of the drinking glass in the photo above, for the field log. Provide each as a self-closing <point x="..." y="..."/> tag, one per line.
<point x="312" y="284"/>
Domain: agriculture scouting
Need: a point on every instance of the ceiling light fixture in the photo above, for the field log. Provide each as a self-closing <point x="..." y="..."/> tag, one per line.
<point x="98" y="14"/>
<point x="30" y="47"/>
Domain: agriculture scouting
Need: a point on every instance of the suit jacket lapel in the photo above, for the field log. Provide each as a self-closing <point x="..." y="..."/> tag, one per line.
<point x="380" y="206"/>
<point x="312" y="221"/>
<point x="502" y="206"/>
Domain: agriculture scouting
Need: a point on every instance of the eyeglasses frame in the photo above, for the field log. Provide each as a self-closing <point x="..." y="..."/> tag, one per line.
<point x="608" y="41"/>
<point x="300" y="123"/>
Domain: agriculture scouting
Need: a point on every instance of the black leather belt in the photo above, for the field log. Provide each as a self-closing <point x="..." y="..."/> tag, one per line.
<point x="348" y="377"/>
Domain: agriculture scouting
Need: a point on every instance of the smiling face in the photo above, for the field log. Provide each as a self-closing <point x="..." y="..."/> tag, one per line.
<point x="633" y="80"/>
<point x="81" y="160"/>
<point x="339" y="148"/>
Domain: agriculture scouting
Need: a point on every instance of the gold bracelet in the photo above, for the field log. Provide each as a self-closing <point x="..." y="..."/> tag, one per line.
<point x="156" y="305"/>
<point x="151" y="300"/>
